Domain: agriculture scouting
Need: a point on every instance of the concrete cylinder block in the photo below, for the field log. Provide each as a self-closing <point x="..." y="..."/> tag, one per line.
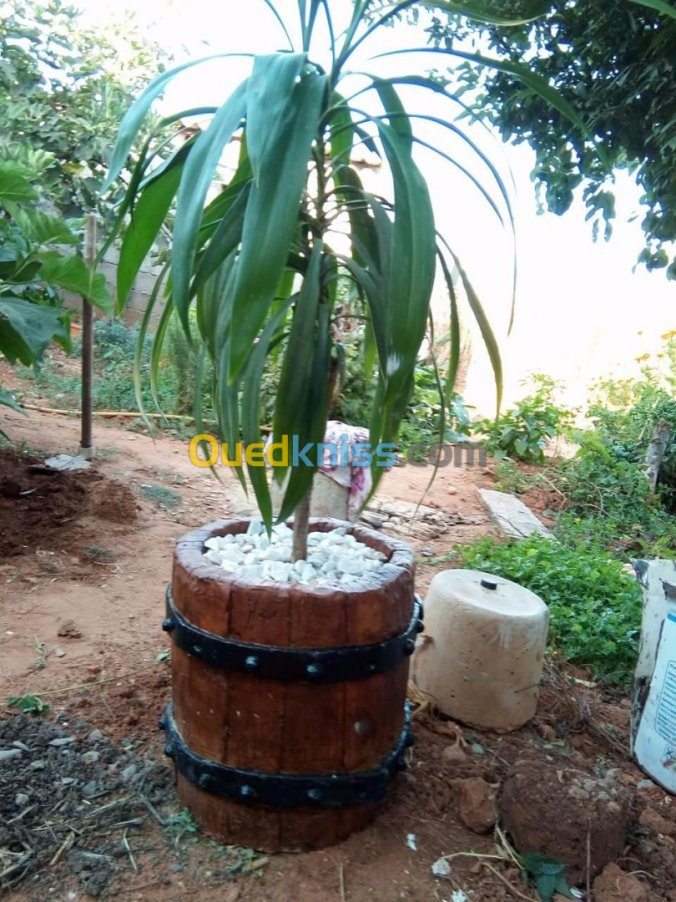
<point x="480" y="657"/>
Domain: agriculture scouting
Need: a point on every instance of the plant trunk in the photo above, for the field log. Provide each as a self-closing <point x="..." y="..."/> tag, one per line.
<point x="656" y="451"/>
<point x="301" y="521"/>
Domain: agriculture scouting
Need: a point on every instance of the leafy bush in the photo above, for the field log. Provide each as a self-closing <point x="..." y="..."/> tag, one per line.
<point x="594" y="606"/>
<point x="626" y="412"/>
<point x="184" y="362"/>
<point x="115" y="344"/>
<point x="422" y="421"/>
<point x="609" y="503"/>
<point x="113" y="388"/>
<point x="608" y="498"/>
<point x="522" y="430"/>
<point x="32" y="270"/>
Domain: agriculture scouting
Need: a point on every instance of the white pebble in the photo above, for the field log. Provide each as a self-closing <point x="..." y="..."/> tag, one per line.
<point x="334" y="558"/>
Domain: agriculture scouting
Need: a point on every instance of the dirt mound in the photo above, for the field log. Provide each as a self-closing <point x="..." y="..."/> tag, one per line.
<point x="37" y="502"/>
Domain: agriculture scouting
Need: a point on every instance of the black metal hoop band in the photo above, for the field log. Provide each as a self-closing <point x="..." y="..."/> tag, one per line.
<point x="287" y="791"/>
<point x="290" y="665"/>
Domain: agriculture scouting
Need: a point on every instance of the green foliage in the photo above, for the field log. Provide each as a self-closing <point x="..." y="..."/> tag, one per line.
<point x="609" y="504"/>
<point x="548" y="875"/>
<point x="608" y="498"/>
<point x="421" y="424"/>
<point x="161" y="495"/>
<point x="522" y="430"/>
<point x="262" y="261"/>
<point x="509" y="477"/>
<point x="113" y="388"/>
<point x="183" y="359"/>
<point x="626" y="412"/>
<point x="63" y="89"/>
<point x="28" y="704"/>
<point x="180" y="825"/>
<point x="594" y="606"/>
<point x="115" y="345"/>
<point x="32" y="272"/>
<point x="613" y="59"/>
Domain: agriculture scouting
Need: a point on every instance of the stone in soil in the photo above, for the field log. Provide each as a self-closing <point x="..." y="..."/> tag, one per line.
<point x="69" y="629"/>
<point x="657" y="822"/>
<point x="334" y="557"/>
<point x="476" y="804"/>
<point x="614" y="885"/>
<point x="549" y="808"/>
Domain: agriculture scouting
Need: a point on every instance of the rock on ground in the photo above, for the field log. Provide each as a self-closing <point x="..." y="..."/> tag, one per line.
<point x="476" y="804"/>
<point x="550" y="809"/>
<point x="614" y="885"/>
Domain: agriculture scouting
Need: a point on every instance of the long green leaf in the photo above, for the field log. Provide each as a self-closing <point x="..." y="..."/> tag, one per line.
<point x="156" y="353"/>
<point x="530" y="79"/>
<point x="271" y="6"/>
<point x="314" y="415"/>
<point x="412" y="263"/>
<point x="146" y="221"/>
<point x="271" y="217"/>
<point x="660" y="5"/>
<point x="133" y="119"/>
<point x="226" y="397"/>
<point x="267" y="104"/>
<point x="454" y="355"/>
<point x="195" y="181"/>
<point x="484" y="10"/>
<point x="224" y="240"/>
<point x="251" y="389"/>
<point x="141" y="341"/>
<point x="293" y="380"/>
<point x="397" y="115"/>
<point x="341" y="130"/>
<point x="468" y="175"/>
<point x="484" y="327"/>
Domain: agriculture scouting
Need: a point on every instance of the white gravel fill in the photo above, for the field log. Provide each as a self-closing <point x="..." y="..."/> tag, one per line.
<point x="334" y="557"/>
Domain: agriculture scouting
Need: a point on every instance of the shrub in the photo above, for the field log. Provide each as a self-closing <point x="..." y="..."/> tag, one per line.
<point x="594" y="606"/>
<point x="183" y="361"/>
<point x="521" y="432"/>
<point x="626" y="412"/>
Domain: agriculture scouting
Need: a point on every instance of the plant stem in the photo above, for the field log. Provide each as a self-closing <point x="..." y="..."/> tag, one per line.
<point x="301" y="519"/>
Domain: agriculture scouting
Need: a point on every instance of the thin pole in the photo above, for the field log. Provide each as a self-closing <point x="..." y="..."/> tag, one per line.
<point x="86" y="442"/>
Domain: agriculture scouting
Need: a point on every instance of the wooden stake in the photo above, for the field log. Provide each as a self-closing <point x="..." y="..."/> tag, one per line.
<point x="86" y="440"/>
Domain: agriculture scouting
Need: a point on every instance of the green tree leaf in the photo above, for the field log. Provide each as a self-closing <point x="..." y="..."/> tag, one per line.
<point x="71" y="274"/>
<point x="26" y="329"/>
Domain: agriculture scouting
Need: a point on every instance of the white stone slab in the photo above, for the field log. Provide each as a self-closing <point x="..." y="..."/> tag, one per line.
<point x="512" y="516"/>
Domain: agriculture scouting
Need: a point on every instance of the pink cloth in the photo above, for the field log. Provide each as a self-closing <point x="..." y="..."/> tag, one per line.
<point x="357" y="479"/>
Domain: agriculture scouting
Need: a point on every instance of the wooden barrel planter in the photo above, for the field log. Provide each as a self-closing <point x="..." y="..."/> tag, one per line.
<point x="288" y="717"/>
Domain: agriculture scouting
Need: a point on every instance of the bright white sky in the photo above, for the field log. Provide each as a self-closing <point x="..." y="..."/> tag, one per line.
<point x="581" y="310"/>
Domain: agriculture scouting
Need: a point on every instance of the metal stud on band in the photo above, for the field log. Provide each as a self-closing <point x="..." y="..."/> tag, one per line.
<point x="288" y="665"/>
<point x="287" y="791"/>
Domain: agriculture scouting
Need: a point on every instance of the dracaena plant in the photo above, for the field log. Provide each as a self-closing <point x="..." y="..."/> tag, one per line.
<point x="261" y="262"/>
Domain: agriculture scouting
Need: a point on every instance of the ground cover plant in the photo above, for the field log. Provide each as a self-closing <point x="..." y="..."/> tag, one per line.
<point x="594" y="604"/>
